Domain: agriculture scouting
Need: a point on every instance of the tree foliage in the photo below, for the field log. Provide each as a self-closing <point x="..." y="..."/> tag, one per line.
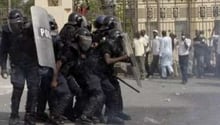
<point x="18" y="4"/>
<point x="94" y="9"/>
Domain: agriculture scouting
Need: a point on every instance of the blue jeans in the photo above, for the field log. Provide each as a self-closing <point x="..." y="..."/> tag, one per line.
<point x="183" y="62"/>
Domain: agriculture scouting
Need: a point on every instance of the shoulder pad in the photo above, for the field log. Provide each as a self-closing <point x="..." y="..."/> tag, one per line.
<point x="5" y="28"/>
<point x="70" y="24"/>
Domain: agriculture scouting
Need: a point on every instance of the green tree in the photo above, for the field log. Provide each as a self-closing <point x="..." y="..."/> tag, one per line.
<point x="26" y="7"/>
<point x="18" y="4"/>
<point x="94" y="9"/>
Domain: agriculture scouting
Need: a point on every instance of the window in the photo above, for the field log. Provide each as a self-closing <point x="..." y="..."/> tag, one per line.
<point x="215" y="11"/>
<point x="150" y="13"/>
<point x="162" y="12"/>
<point x="202" y="12"/>
<point x="54" y="2"/>
<point x="175" y="12"/>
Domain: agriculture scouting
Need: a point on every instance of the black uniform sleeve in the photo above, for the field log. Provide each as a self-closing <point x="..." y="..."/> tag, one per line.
<point x="66" y="54"/>
<point x="106" y="49"/>
<point x="58" y="45"/>
<point x="4" y="49"/>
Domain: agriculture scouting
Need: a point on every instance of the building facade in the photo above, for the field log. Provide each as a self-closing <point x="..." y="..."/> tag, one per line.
<point x="178" y="15"/>
<point x="60" y="9"/>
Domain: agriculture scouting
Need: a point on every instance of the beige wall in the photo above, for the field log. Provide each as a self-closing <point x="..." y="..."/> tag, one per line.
<point x="60" y="12"/>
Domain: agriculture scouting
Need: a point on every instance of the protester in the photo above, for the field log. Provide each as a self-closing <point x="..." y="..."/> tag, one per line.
<point x="166" y="55"/>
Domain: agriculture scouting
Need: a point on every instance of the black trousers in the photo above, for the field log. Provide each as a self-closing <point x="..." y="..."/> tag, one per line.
<point x="154" y="64"/>
<point x="60" y="96"/>
<point x="147" y="67"/>
<point x="183" y="62"/>
<point x="92" y="96"/>
<point x="20" y="74"/>
<point x="113" y="96"/>
<point x="45" y="90"/>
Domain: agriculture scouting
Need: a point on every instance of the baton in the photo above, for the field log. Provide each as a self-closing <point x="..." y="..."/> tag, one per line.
<point x="127" y="84"/>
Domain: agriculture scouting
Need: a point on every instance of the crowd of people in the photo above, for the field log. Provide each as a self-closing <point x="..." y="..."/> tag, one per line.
<point x="82" y="88"/>
<point x="175" y="57"/>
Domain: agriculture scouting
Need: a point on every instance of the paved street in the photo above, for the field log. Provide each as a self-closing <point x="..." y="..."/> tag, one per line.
<point x="161" y="102"/>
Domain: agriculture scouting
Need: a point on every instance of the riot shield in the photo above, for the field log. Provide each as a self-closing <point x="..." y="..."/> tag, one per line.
<point x="43" y="39"/>
<point x="134" y="65"/>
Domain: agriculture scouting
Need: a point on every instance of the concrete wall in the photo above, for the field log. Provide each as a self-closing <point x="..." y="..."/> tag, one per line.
<point x="60" y="12"/>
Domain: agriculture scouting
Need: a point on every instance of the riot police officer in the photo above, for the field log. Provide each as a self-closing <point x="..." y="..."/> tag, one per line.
<point x="46" y="74"/>
<point x="98" y="34"/>
<point x="112" y="52"/>
<point x="80" y="68"/>
<point x="54" y="87"/>
<point x="75" y="21"/>
<point x="18" y="42"/>
<point x="82" y="82"/>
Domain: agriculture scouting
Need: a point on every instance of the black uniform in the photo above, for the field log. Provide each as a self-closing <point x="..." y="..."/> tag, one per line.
<point x="58" y="97"/>
<point x="110" y="85"/>
<point x="78" y="69"/>
<point x="24" y="67"/>
<point x="109" y="39"/>
<point x="109" y="81"/>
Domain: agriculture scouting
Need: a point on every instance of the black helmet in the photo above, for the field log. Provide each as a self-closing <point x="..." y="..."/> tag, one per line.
<point x="75" y="19"/>
<point x="99" y="21"/>
<point x="115" y="40"/>
<point x="110" y="22"/>
<point x="16" y="21"/>
<point x="115" y="34"/>
<point x="83" y="37"/>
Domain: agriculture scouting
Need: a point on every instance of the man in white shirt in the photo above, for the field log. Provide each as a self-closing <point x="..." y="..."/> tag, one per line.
<point x="139" y="50"/>
<point x="166" y="59"/>
<point x="147" y="50"/>
<point x="184" y="48"/>
<point x="175" y="47"/>
<point x="155" y="50"/>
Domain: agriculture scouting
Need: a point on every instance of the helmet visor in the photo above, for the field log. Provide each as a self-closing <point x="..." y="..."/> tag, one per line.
<point x="15" y="25"/>
<point x="85" y="42"/>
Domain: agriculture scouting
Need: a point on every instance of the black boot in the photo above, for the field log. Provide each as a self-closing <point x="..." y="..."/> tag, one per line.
<point x="14" y="120"/>
<point x="124" y="116"/>
<point x="115" y="120"/>
<point x="15" y="101"/>
<point x="42" y="117"/>
<point x="56" y="119"/>
<point x="85" y="120"/>
<point x="29" y="119"/>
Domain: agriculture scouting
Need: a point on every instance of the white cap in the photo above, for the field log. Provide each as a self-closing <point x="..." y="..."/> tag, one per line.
<point x="156" y="31"/>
